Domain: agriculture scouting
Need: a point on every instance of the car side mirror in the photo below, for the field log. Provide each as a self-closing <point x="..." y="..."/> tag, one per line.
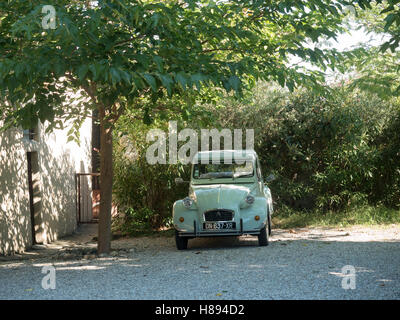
<point x="270" y="178"/>
<point x="180" y="181"/>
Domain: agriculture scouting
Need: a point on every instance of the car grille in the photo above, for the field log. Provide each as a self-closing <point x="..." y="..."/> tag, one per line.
<point x="218" y="215"/>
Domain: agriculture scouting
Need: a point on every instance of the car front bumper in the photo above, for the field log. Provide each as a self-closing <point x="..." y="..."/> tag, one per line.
<point x="199" y="232"/>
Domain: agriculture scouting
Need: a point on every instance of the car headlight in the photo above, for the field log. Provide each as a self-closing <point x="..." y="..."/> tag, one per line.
<point x="187" y="202"/>
<point x="250" y="199"/>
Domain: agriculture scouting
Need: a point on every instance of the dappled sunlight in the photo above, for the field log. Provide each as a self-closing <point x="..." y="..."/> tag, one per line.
<point x="14" y="201"/>
<point x="12" y="265"/>
<point x="342" y="275"/>
<point x="80" y="268"/>
<point x="54" y="199"/>
<point x="356" y="234"/>
<point x="383" y="282"/>
<point x="257" y="266"/>
<point x="300" y="265"/>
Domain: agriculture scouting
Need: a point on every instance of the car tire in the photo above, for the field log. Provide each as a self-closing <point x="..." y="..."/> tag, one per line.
<point x="269" y="225"/>
<point x="263" y="237"/>
<point x="181" y="242"/>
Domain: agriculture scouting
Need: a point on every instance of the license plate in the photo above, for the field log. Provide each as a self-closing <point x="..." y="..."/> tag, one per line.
<point x="219" y="225"/>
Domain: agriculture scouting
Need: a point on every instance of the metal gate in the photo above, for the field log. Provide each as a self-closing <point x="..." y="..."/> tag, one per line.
<point x="87" y="197"/>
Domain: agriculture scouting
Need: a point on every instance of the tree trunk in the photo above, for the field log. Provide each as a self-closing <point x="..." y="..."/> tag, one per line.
<point x="106" y="179"/>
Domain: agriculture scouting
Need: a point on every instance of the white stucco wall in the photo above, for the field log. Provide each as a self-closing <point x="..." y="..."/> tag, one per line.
<point x="58" y="162"/>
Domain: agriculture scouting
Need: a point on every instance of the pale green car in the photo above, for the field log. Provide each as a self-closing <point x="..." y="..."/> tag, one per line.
<point x="228" y="198"/>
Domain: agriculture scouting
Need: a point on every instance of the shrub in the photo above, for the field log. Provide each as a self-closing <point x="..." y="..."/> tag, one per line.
<point x="144" y="193"/>
<point x="328" y="152"/>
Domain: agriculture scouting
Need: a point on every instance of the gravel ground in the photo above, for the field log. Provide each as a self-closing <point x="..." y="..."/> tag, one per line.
<point x="298" y="264"/>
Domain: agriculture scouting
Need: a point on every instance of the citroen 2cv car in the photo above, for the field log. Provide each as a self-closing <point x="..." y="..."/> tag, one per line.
<point x="227" y="197"/>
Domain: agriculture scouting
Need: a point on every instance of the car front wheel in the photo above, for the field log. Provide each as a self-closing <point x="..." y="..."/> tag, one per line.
<point x="269" y="225"/>
<point x="263" y="237"/>
<point x="181" y="242"/>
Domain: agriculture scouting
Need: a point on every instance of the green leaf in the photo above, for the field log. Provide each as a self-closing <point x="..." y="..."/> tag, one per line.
<point x="196" y="79"/>
<point x="389" y="21"/>
<point x="82" y="71"/>
<point x="159" y="63"/>
<point x="151" y="81"/>
<point x="234" y="82"/>
<point x="125" y="76"/>
<point x="167" y="82"/>
<point x="281" y="79"/>
<point x="181" y="78"/>
<point x="115" y="76"/>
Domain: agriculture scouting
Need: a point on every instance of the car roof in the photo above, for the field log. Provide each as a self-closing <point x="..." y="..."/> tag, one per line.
<point x="225" y="154"/>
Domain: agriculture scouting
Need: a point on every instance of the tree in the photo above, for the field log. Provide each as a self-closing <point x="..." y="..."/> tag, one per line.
<point x="115" y="51"/>
<point x="376" y="67"/>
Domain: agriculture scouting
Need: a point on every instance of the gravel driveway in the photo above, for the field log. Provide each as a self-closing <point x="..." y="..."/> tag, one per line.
<point x="298" y="264"/>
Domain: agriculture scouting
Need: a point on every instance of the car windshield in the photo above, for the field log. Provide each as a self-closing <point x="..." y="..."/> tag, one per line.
<point x="222" y="170"/>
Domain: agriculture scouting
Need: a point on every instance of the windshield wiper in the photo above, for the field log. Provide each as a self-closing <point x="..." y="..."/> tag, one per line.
<point x="242" y="174"/>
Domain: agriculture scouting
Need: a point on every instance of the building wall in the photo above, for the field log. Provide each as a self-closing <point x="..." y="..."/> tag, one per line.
<point x="58" y="161"/>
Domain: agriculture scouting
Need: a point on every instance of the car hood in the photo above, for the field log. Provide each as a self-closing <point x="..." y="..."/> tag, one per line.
<point x="219" y="196"/>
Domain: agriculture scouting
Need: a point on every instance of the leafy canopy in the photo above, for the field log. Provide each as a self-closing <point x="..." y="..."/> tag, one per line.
<point x="375" y="66"/>
<point x="117" y="50"/>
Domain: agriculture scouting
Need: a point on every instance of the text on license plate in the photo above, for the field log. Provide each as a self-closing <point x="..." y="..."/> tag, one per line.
<point x="219" y="225"/>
